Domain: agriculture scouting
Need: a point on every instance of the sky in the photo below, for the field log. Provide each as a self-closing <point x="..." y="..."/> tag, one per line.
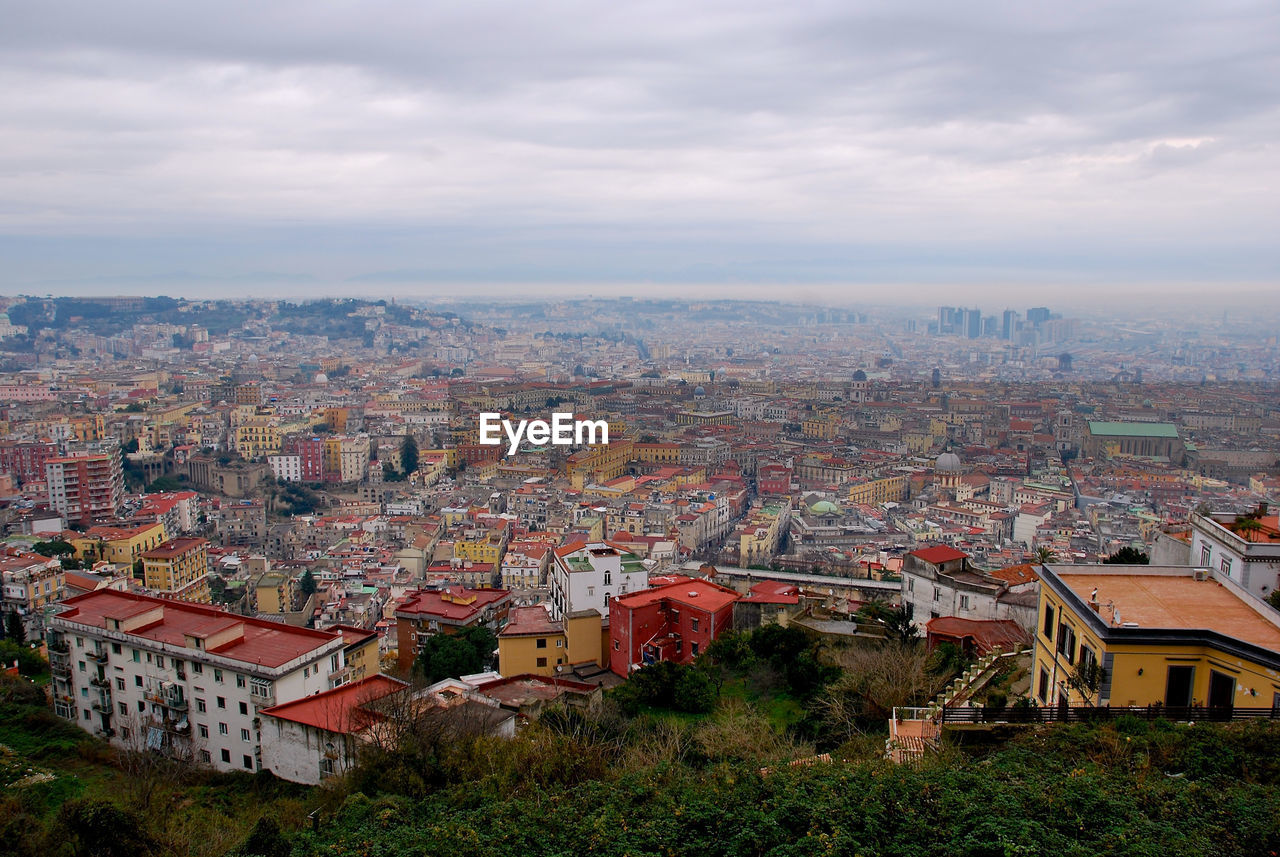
<point x="843" y="150"/>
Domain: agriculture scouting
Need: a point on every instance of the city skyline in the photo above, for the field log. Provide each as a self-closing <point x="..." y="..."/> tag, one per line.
<point x="1007" y="154"/>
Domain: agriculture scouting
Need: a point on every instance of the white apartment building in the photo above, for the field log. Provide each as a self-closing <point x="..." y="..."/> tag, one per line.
<point x="184" y="679"/>
<point x="588" y="576"/>
<point x="286" y="468"/>
<point x="1249" y="556"/>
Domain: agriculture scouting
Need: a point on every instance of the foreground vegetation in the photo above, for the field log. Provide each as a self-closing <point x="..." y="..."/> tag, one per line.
<point x="686" y="760"/>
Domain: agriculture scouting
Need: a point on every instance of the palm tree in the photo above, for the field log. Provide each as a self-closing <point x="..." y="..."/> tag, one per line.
<point x="1045" y="554"/>
<point x="1246" y="527"/>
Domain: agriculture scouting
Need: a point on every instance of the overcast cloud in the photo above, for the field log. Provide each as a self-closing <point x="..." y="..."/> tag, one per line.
<point x="188" y="147"/>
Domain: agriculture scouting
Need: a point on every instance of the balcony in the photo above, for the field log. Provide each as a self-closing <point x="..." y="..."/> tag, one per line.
<point x="97" y="655"/>
<point x="59" y="662"/>
<point x="101" y="681"/>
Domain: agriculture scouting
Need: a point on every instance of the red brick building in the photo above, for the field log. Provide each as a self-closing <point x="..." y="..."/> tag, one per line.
<point x="674" y="622"/>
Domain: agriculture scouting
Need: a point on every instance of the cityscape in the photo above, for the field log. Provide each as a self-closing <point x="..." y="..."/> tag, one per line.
<point x="639" y="429"/>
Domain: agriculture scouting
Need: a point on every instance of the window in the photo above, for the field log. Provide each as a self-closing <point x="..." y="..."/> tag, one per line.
<point x="87" y="715"/>
<point x="226" y="756"/>
<point x="1206" y="554"/>
<point x="542" y="662"/>
<point x="693" y="649"/>
<point x="248" y="763"/>
<point x="84" y="691"/>
<point x="197" y="667"/>
<point x="306" y="672"/>
<point x="142" y="706"/>
<point x="1087" y="657"/>
<point x="1048" y="622"/>
<point x="244" y="708"/>
<point x="608" y="578"/>
<point x="201" y="706"/>
<point x="694" y="624"/>
<point x="223" y="730"/>
<point x="244" y="735"/>
<point x="1067" y="642"/>
<point x="205" y="757"/>
<point x="124" y="710"/>
<point x="240" y="682"/>
<point x="1043" y="691"/>
<point x="204" y="731"/>
<point x="222" y="702"/>
<point x="937" y="593"/>
<point x="119" y="683"/>
<point x="964" y="602"/>
<point x="116" y="650"/>
<point x="911" y="584"/>
<point x="559" y="644"/>
<point x="542" y="643"/>
<point x="137" y="656"/>
<point x="217" y="676"/>
<point x="1226" y="566"/>
<point x="124" y="734"/>
<point x="82" y="666"/>
<point x="616" y="647"/>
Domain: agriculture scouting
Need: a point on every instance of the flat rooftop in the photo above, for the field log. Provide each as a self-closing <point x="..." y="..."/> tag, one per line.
<point x="1165" y="600"/>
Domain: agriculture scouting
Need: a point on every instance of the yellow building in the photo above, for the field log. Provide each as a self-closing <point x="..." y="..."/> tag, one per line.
<point x="259" y="435"/>
<point x="658" y="453"/>
<point x="274" y="593"/>
<point x="599" y="463"/>
<point x="1170" y="635"/>
<point x="485" y="548"/>
<point x="123" y="545"/>
<point x="887" y="489"/>
<point x="821" y="426"/>
<point x="532" y="643"/>
<point x="174" y="565"/>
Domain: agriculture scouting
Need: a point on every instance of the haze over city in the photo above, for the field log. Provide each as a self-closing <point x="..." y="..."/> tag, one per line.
<point x="996" y="149"/>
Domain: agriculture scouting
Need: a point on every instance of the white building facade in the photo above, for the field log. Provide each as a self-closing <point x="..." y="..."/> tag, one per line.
<point x="184" y="679"/>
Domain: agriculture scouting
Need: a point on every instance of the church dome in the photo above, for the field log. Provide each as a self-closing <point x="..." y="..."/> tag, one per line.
<point x="948" y="462"/>
<point x="823" y="508"/>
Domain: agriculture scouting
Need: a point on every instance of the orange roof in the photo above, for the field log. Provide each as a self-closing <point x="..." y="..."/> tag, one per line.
<point x="1174" y="602"/>
<point x="1016" y="574"/>
<point x="341" y="709"/>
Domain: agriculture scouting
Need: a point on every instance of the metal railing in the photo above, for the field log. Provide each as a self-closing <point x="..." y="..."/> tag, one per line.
<point x="1090" y="714"/>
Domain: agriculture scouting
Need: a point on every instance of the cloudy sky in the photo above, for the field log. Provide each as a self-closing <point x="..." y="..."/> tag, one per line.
<point x="834" y="148"/>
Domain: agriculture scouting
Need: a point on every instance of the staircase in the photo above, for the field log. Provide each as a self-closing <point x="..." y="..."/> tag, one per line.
<point x="913" y="732"/>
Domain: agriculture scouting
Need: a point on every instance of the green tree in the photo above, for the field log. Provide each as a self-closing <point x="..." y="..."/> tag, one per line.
<point x="1274" y="598"/>
<point x="98" y="828"/>
<point x="1045" y="554"/>
<point x="1086" y="679"/>
<point x="1127" y="556"/>
<point x="447" y="656"/>
<point x="408" y="455"/>
<point x="265" y="840"/>
<point x="13" y="628"/>
<point x="57" y="547"/>
<point x="164" y="485"/>
<point x="307" y="584"/>
<point x="693" y="691"/>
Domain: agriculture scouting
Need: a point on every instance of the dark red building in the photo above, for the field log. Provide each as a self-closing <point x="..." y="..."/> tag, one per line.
<point x="674" y="622"/>
<point x="774" y="479"/>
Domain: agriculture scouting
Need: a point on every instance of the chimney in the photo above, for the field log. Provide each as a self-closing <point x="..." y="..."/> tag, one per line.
<point x="1093" y="599"/>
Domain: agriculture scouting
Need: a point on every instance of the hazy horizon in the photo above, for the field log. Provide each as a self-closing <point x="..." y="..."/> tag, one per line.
<point x="990" y="153"/>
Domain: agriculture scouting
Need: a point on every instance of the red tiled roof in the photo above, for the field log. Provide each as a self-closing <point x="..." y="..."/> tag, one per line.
<point x="441" y="603"/>
<point x="774" y="592"/>
<point x="702" y="594"/>
<point x="985" y="633"/>
<point x="939" y="554"/>
<point x="530" y="620"/>
<point x="268" y="644"/>
<point x="338" y="710"/>
<point x="1016" y="574"/>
